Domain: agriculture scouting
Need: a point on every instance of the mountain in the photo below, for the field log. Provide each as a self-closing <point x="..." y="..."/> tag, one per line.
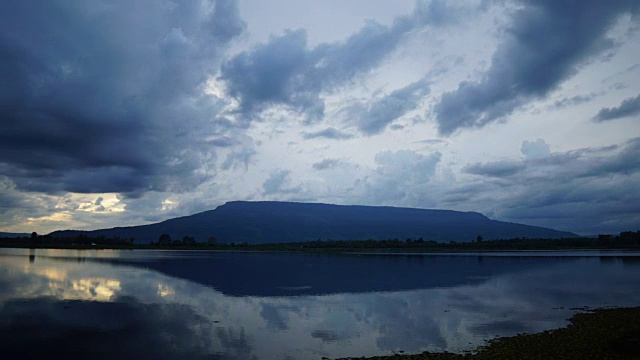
<point x="13" y="235"/>
<point x="272" y="222"/>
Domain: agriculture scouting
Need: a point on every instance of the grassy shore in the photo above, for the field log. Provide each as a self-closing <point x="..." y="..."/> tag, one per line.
<point x="598" y="334"/>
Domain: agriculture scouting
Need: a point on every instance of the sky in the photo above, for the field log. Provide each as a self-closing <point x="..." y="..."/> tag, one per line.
<point x="118" y="113"/>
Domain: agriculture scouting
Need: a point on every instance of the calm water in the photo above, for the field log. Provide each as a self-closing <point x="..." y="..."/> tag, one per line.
<point x="186" y="304"/>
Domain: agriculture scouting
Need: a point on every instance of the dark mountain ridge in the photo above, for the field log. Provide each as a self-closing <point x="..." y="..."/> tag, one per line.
<point x="279" y="222"/>
<point x="13" y="235"/>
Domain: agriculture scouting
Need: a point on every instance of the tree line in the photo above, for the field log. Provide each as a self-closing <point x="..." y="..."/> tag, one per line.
<point x="80" y="240"/>
<point x="624" y="240"/>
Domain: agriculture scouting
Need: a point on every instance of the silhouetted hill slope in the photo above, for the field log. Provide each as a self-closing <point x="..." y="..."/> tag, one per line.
<point x="271" y="222"/>
<point x="13" y="235"/>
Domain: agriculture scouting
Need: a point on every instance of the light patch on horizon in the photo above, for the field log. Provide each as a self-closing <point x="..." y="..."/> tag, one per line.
<point x="167" y="204"/>
<point x="165" y="290"/>
<point x="55" y="218"/>
<point x="104" y="203"/>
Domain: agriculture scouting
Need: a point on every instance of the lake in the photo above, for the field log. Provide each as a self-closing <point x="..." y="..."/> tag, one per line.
<point x="242" y="305"/>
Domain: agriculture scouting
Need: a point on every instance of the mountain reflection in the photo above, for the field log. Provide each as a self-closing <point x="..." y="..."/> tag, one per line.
<point x="293" y="274"/>
<point x="181" y="304"/>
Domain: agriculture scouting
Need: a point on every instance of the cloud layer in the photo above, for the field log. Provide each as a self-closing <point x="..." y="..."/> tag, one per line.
<point x="628" y="107"/>
<point x="98" y="98"/>
<point x="120" y="113"/>
<point x="589" y="189"/>
<point x="287" y="71"/>
<point x="545" y="44"/>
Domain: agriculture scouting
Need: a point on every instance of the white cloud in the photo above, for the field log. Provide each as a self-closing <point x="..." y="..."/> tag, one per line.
<point x="533" y="149"/>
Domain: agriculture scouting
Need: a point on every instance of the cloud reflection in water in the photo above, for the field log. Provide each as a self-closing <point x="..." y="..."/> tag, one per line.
<point x="103" y="307"/>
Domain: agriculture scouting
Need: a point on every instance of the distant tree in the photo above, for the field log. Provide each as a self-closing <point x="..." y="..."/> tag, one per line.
<point x="212" y="240"/>
<point x="479" y="238"/>
<point x="165" y="239"/>
<point x="188" y="240"/>
<point x="628" y="235"/>
<point x="627" y="238"/>
<point x="34" y="235"/>
<point x="83" y="239"/>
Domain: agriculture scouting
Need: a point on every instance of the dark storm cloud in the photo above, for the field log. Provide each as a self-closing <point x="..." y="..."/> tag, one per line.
<point x="590" y="189"/>
<point x="494" y="169"/>
<point x="380" y="113"/>
<point x="9" y="198"/>
<point x="430" y="141"/>
<point x="286" y="71"/>
<point x="222" y="141"/>
<point x="572" y="101"/>
<point x="625" y="162"/>
<point x="327" y="164"/>
<point x="107" y="97"/>
<point x="545" y="44"/>
<point x="628" y="107"/>
<point x="599" y="162"/>
<point x="328" y="133"/>
<point x="98" y="204"/>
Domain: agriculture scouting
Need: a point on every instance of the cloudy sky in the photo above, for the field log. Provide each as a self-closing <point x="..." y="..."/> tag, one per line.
<point x="123" y="113"/>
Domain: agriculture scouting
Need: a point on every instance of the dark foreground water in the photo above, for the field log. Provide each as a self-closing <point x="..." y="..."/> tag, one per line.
<point x="186" y="304"/>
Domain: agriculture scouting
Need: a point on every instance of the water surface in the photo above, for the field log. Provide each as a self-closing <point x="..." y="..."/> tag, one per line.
<point x="206" y="304"/>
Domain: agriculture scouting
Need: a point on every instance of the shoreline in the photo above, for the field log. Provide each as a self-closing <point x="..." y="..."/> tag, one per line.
<point x="303" y="249"/>
<point x="625" y="241"/>
<point x="602" y="333"/>
<point x="352" y="252"/>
